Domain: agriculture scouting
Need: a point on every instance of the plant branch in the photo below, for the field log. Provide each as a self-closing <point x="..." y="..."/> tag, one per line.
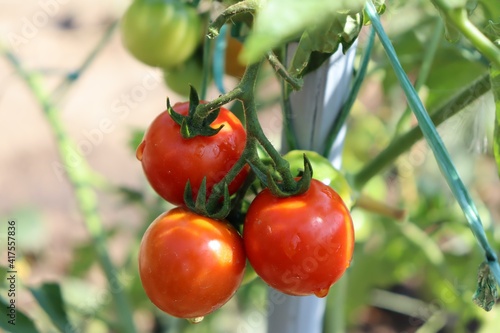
<point x="443" y="159"/>
<point x="80" y="178"/>
<point x="247" y="6"/>
<point x="346" y="108"/>
<point x="295" y="83"/>
<point x="403" y="142"/>
<point x="424" y="72"/>
<point x="458" y="17"/>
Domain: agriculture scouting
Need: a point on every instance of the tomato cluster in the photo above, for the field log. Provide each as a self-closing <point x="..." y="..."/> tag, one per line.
<point x="190" y="265"/>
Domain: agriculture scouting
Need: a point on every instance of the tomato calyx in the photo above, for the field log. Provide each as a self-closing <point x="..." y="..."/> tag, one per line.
<point x="284" y="184"/>
<point x="210" y="207"/>
<point x="190" y="128"/>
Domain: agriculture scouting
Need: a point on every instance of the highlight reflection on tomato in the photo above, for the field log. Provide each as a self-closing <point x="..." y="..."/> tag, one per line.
<point x="299" y="245"/>
<point x="190" y="265"/>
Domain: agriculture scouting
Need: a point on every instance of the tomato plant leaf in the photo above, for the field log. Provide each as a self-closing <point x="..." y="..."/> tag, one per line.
<point x="343" y="29"/>
<point x="49" y="297"/>
<point x="495" y="87"/>
<point x="269" y="30"/>
<point x="21" y="324"/>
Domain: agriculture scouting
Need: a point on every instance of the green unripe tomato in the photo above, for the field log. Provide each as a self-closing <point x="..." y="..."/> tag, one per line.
<point x="161" y="33"/>
<point x="180" y="77"/>
<point x="322" y="171"/>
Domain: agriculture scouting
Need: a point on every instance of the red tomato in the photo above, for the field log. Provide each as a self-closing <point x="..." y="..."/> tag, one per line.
<point x="169" y="160"/>
<point x="299" y="245"/>
<point x="190" y="265"/>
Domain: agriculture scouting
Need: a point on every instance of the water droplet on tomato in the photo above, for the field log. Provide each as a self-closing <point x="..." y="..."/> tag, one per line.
<point x="140" y="150"/>
<point x="321" y="292"/>
<point x="195" y="320"/>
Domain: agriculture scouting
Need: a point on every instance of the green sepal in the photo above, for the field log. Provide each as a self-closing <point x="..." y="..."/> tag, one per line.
<point x="261" y="175"/>
<point x="201" y="198"/>
<point x="275" y="188"/>
<point x="211" y="117"/>
<point x="305" y="181"/>
<point x="188" y="195"/>
<point x="176" y="117"/>
<point x="186" y="122"/>
<point x="208" y="208"/>
<point x="300" y="187"/>
<point x="226" y="205"/>
<point x="194" y="100"/>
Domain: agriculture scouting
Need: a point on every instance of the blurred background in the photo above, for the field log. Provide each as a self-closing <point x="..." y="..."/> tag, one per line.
<point x="416" y="273"/>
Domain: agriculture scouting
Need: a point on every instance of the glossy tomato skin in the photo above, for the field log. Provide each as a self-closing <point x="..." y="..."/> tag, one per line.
<point x="169" y="160"/>
<point x="190" y="265"/>
<point x="161" y="33"/>
<point x="299" y="245"/>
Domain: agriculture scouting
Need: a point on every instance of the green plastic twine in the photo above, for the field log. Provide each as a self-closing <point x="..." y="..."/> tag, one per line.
<point x="436" y="144"/>
<point x="346" y="108"/>
<point x="219" y="59"/>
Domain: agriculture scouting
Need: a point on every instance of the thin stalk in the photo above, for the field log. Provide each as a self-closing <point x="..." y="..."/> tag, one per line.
<point x="247" y="6"/>
<point x="424" y="72"/>
<point x="295" y="83"/>
<point x="346" y="108"/>
<point x="446" y="166"/>
<point x="458" y="17"/>
<point x="335" y="307"/>
<point x="80" y="179"/>
<point x="206" y="68"/>
<point x="403" y="142"/>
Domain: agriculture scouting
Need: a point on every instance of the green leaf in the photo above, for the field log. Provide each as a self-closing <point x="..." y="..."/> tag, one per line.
<point x="325" y="39"/>
<point x="23" y="324"/>
<point x="50" y="299"/>
<point x="280" y="21"/>
<point x="495" y="87"/>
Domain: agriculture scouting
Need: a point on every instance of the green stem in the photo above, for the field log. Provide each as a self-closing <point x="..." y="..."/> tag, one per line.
<point x="458" y="17"/>
<point x="424" y="72"/>
<point x="403" y="142"/>
<point x="443" y="159"/>
<point x="295" y="83"/>
<point x="346" y="108"/>
<point x="336" y="323"/>
<point x="206" y="67"/>
<point x="80" y="178"/>
<point x="247" y="6"/>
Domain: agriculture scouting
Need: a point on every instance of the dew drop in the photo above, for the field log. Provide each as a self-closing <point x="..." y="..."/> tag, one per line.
<point x="195" y="320"/>
<point x="321" y="292"/>
<point x="140" y="150"/>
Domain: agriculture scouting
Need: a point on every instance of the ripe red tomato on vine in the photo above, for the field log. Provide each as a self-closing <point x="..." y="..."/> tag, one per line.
<point x="190" y="265"/>
<point x="302" y="244"/>
<point x="169" y="160"/>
